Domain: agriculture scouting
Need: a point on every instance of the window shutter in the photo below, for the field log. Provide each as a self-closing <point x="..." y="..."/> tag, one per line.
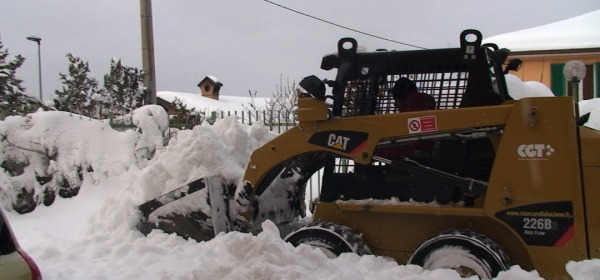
<point x="557" y="82"/>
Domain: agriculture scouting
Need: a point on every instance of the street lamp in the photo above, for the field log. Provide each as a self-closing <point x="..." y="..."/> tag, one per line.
<point x="38" y="40"/>
<point x="574" y="72"/>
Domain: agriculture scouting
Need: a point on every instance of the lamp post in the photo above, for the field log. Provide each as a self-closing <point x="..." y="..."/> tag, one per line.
<point x="38" y="40"/>
<point x="574" y="72"/>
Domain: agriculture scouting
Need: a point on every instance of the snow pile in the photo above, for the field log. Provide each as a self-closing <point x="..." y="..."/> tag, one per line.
<point x="221" y="149"/>
<point x="584" y="270"/>
<point x="591" y="106"/>
<point x="519" y="89"/>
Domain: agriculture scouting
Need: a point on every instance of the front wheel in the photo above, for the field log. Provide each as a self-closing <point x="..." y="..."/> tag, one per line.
<point x="332" y="239"/>
<point x="467" y="252"/>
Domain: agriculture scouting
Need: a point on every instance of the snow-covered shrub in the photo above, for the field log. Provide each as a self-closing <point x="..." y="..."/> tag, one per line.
<point x="49" y="153"/>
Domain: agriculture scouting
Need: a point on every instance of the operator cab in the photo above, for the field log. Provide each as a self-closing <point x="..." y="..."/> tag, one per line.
<point x="468" y="76"/>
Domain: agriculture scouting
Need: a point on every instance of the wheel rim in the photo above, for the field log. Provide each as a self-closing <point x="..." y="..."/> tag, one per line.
<point x="459" y="259"/>
<point x="326" y="249"/>
<point x="332" y="239"/>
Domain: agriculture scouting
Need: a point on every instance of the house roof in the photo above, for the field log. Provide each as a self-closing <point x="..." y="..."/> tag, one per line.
<point x="212" y="79"/>
<point x="205" y="104"/>
<point x="580" y="32"/>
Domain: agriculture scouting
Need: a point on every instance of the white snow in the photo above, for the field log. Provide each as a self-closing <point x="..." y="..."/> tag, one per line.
<point x="519" y="89"/>
<point x="93" y="235"/>
<point x="226" y="103"/>
<point x="579" y="32"/>
<point x="213" y="78"/>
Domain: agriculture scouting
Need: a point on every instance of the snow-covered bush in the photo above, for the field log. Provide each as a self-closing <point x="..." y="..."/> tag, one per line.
<point x="46" y="153"/>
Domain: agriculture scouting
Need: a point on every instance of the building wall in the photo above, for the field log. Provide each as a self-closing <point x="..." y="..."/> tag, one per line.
<point x="546" y="67"/>
<point x="207" y="89"/>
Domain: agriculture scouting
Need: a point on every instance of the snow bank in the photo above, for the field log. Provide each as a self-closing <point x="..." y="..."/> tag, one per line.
<point x="519" y="89"/>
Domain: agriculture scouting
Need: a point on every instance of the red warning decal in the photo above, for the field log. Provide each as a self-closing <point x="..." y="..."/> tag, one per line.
<point x="422" y="124"/>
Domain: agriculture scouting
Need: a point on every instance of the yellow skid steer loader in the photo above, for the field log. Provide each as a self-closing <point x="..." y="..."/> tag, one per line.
<point x="487" y="181"/>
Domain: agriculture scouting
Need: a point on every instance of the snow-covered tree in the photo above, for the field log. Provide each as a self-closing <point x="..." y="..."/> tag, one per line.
<point x="13" y="100"/>
<point x="125" y="88"/>
<point x="78" y="89"/>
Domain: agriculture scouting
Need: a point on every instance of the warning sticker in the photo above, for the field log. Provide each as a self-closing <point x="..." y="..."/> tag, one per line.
<point x="422" y="124"/>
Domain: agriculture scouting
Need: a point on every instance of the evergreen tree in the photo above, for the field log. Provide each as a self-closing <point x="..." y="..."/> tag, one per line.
<point x="13" y="100"/>
<point x="79" y="93"/>
<point x="185" y="118"/>
<point x="125" y="88"/>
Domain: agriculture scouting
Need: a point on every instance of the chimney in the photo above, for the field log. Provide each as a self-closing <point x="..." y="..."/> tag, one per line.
<point x="210" y="87"/>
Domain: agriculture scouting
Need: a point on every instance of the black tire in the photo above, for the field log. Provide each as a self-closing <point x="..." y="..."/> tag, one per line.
<point x="331" y="238"/>
<point x="471" y="254"/>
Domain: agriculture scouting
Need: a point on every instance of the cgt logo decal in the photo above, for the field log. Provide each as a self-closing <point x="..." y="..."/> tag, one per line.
<point x="535" y="151"/>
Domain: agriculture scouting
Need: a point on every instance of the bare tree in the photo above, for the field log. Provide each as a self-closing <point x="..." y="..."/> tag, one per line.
<point x="280" y="108"/>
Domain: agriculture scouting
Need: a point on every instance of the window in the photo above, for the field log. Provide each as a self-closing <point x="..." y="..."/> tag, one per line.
<point x="588" y="88"/>
<point x="557" y="82"/>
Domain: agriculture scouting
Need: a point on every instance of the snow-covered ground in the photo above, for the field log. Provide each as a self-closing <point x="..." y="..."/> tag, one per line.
<point x="93" y="235"/>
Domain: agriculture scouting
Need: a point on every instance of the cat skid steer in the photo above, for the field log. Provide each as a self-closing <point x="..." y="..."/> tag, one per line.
<point x="501" y="182"/>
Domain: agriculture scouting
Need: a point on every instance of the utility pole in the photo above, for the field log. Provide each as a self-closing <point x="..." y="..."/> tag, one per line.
<point x="38" y="40"/>
<point x="148" y="50"/>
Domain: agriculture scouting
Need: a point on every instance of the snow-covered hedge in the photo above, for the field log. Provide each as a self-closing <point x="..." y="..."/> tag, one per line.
<point x="45" y="153"/>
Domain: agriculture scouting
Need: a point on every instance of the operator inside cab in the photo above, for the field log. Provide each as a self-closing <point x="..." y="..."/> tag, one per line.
<point x="408" y="98"/>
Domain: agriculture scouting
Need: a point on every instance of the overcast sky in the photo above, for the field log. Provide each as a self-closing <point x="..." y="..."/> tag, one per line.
<point x="247" y="44"/>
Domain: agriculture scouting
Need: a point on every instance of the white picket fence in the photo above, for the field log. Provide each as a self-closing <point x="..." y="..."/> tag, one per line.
<point x="276" y="121"/>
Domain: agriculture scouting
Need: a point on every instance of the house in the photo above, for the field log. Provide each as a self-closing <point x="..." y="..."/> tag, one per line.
<point x="545" y="49"/>
<point x="207" y="100"/>
<point x="210" y="101"/>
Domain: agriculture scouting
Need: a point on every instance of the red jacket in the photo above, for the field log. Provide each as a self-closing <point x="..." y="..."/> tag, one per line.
<point x="417" y="101"/>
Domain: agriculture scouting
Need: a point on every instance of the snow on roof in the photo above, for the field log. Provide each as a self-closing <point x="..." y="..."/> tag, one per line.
<point x="579" y="32"/>
<point x="201" y="103"/>
<point x="213" y="78"/>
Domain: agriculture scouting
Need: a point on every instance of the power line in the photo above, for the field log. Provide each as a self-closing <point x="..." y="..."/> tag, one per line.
<point x="344" y="27"/>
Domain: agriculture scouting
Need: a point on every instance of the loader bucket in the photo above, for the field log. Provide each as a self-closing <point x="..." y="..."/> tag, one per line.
<point x="195" y="224"/>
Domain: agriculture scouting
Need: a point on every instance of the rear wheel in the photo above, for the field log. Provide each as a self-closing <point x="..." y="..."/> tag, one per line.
<point x="331" y="238"/>
<point x="467" y="252"/>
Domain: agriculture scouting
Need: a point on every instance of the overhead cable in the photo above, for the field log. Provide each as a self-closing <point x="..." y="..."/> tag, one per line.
<point x="344" y="27"/>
